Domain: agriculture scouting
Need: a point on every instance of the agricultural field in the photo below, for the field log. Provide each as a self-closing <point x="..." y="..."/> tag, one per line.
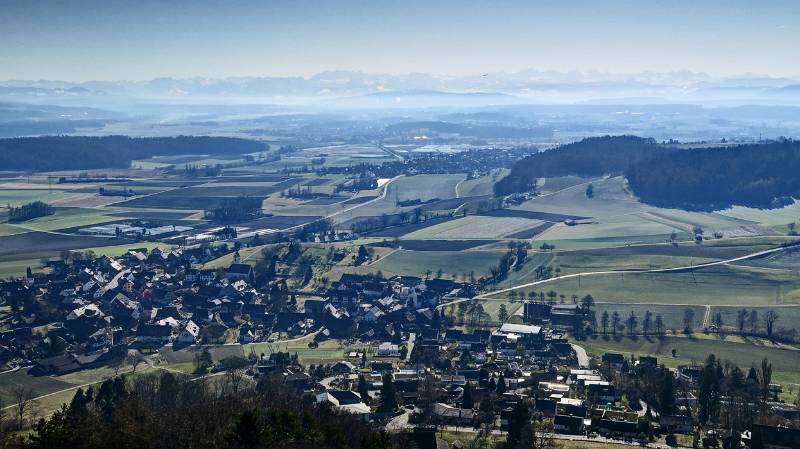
<point x="69" y="217"/>
<point x="788" y="316"/>
<point x="424" y="187"/>
<point x="452" y="263"/>
<point x="767" y="217"/>
<point x="443" y="245"/>
<point x="716" y="285"/>
<point x="628" y="230"/>
<point x="475" y="227"/>
<point x="575" y="262"/>
<point x="43" y="242"/>
<point x="672" y="316"/>
<point x="695" y="349"/>
<point x="198" y="198"/>
<point x="480" y="186"/>
<point x="555" y="184"/>
<point x="18" y="197"/>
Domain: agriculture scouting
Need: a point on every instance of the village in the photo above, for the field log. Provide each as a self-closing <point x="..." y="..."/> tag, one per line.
<point x="425" y="369"/>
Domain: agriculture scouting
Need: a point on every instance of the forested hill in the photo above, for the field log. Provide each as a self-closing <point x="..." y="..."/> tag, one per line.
<point x="759" y="175"/>
<point x="79" y="152"/>
<point x="594" y="156"/>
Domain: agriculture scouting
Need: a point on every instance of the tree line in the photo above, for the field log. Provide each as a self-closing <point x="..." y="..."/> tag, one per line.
<point x="171" y="411"/>
<point x="594" y="156"/>
<point x="757" y="175"/>
<point x="29" y="211"/>
<point x="85" y="152"/>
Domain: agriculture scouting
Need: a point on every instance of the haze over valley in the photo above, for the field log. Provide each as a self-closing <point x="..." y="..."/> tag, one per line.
<point x="400" y="224"/>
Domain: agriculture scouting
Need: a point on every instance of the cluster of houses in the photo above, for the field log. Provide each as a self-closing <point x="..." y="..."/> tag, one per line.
<point x="78" y="314"/>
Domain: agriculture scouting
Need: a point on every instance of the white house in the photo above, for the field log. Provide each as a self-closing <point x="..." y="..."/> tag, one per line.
<point x="189" y="334"/>
<point x="388" y="350"/>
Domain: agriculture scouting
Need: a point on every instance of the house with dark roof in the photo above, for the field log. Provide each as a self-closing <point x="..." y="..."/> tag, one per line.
<point x="572" y="425"/>
<point x="153" y="334"/>
<point x="240" y="272"/>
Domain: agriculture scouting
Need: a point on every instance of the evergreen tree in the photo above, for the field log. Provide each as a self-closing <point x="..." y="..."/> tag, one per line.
<point x="519" y="419"/>
<point x="666" y="397"/>
<point x="501" y="384"/>
<point x="709" y="393"/>
<point x="362" y="389"/>
<point x="466" y="398"/>
<point x="388" y="395"/>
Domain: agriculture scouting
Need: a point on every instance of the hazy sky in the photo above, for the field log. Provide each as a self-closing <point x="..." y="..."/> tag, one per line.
<point x="133" y="40"/>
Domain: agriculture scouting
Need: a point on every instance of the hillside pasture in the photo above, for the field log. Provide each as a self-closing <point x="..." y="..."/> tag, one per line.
<point x="563" y="182"/>
<point x="480" y="186"/>
<point x="37" y="243"/>
<point x="68" y="218"/>
<point x="476" y="227"/>
<point x="18" y="197"/>
<point x="452" y="263"/>
<point x="424" y="187"/>
<point x="442" y="245"/>
<point x="717" y="285"/>
<point x="696" y="349"/>
<point x="530" y="232"/>
<point x="672" y="316"/>
<point x="410" y="228"/>
<point x="768" y="217"/>
<point x="788" y="316"/>
<point x="197" y="198"/>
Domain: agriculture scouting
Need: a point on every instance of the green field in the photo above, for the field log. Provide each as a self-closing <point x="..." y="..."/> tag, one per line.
<point x="452" y="263"/>
<point x="424" y="187"/>
<point x="328" y="351"/>
<point x="475" y="227"/>
<point x="769" y="217"/>
<point x="70" y="217"/>
<point x="717" y="285"/>
<point x="627" y="230"/>
<point x="696" y="349"/>
<point x="581" y="263"/>
<point x="788" y="316"/>
<point x="483" y="185"/>
<point x="16" y="197"/>
<point x="672" y="316"/>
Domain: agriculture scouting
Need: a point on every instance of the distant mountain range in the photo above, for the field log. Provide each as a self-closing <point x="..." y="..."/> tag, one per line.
<point x="357" y="89"/>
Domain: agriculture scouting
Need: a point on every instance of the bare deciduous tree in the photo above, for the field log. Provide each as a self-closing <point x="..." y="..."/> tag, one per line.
<point x="134" y="359"/>
<point x="22" y="403"/>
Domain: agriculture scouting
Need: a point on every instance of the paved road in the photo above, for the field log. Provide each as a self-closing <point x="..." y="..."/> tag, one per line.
<point x="412" y="338"/>
<point x="654" y="270"/>
<point x="380" y="197"/>
<point x="580" y="353"/>
<point x="399" y="422"/>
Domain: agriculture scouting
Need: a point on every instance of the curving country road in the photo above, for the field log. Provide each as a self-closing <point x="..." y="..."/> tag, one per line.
<point x="653" y="270"/>
<point x="487" y="295"/>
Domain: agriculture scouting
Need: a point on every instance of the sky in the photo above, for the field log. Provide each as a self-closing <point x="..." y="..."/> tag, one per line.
<point x="139" y="40"/>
